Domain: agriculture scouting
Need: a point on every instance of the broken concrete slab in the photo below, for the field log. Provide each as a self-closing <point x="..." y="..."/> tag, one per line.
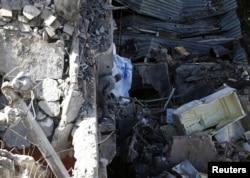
<point x="50" y="108"/>
<point x="86" y="148"/>
<point x="56" y="24"/>
<point x="48" y="90"/>
<point x="49" y="20"/>
<point x="197" y="150"/>
<point x="30" y="12"/>
<point x="23" y="53"/>
<point x="50" y="31"/>
<point x="217" y="109"/>
<point x="47" y="126"/>
<point x="70" y="108"/>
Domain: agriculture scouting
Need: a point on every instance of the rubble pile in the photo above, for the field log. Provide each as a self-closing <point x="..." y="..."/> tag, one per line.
<point x="190" y="88"/>
<point x="48" y="70"/>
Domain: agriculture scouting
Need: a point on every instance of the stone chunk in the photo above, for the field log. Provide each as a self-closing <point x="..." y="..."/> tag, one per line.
<point x="17" y="26"/>
<point x="31" y="12"/>
<point x="6" y="11"/>
<point x="48" y="90"/>
<point x="69" y="29"/>
<point x="50" y="108"/>
<point x="48" y="21"/>
<point x="47" y="126"/>
<point x="50" y="31"/>
<point x="22" y="19"/>
<point x="56" y="24"/>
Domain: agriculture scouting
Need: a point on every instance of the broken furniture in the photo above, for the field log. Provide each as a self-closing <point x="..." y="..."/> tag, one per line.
<point x="212" y="112"/>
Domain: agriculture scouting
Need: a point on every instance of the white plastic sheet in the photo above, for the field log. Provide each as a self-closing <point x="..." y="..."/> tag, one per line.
<point x="123" y="66"/>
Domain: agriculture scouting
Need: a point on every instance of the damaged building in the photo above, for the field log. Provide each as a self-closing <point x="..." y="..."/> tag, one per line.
<point x="182" y="91"/>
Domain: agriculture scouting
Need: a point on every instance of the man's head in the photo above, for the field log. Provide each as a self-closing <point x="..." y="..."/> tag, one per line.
<point x="118" y="77"/>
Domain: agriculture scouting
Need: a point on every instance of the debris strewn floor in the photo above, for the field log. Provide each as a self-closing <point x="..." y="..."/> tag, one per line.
<point x="179" y="116"/>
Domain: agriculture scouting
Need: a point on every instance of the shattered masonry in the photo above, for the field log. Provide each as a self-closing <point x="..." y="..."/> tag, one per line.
<point x="48" y="111"/>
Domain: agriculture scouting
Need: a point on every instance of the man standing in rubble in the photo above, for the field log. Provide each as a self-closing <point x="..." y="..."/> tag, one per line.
<point x="105" y="85"/>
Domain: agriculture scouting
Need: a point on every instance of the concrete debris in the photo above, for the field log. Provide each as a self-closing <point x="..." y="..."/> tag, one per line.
<point x="30" y="12"/>
<point x="49" y="20"/>
<point x="51" y="32"/>
<point x="70" y="109"/>
<point x="69" y="29"/>
<point x="26" y="55"/>
<point x="49" y="107"/>
<point x="48" y="90"/>
<point x="84" y="131"/>
<point x="6" y="11"/>
<point x="15" y="165"/>
<point x="36" y="134"/>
